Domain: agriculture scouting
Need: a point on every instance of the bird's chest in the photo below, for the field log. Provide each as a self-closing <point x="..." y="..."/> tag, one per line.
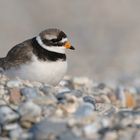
<point x="48" y="72"/>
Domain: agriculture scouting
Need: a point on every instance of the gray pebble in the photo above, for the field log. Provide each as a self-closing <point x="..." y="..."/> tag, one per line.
<point x="90" y="99"/>
<point x="14" y="83"/>
<point x="7" y="115"/>
<point x="61" y="96"/>
<point x="101" y="86"/>
<point x="84" y="110"/>
<point x="29" y="111"/>
<point x="47" y="89"/>
<point x="19" y="134"/>
<point x="67" y="83"/>
<point x="46" y="128"/>
<point x="68" y="135"/>
<point x="29" y="93"/>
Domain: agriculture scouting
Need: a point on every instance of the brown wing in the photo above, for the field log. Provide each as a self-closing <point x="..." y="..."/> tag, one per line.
<point x="2" y="62"/>
<point x="18" y="55"/>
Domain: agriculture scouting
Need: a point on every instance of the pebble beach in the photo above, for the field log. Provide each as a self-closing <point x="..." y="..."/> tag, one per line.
<point x="77" y="109"/>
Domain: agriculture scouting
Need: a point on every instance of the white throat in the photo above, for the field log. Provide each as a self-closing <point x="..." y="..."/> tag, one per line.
<point x="56" y="49"/>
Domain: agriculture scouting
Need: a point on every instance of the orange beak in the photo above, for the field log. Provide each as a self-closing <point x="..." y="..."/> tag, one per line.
<point x="68" y="46"/>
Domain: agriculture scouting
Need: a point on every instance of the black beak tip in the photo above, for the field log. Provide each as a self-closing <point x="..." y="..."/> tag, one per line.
<point x="72" y="48"/>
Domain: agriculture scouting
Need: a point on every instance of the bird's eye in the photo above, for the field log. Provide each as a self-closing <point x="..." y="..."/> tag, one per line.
<point x="54" y="40"/>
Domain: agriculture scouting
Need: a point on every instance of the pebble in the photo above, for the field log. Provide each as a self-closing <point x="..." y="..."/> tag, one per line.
<point x="29" y="93"/>
<point x="69" y="105"/>
<point x="15" y="96"/>
<point x="111" y="136"/>
<point x="30" y="113"/>
<point x="2" y="90"/>
<point x="46" y="129"/>
<point x="105" y="109"/>
<point x="18" y="134"/>
<point x="91" y="130"/>
<point x="70" y="136"/>
<point x="66" y="83"/>
<point x="85" y="109"/>
<point x="61" y="96"/>
<point x="126" y="97"/>
<point x="14" y="84"/>
<point x="7" y="115"/>
<point x="8" y="118"/>
<point x="47" y="89"/>
<point x="90" y="99"/>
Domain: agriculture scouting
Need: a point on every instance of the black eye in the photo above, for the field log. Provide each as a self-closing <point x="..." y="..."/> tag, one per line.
<point x="56" y="40"/>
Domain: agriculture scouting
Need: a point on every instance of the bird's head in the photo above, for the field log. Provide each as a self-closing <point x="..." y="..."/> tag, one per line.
<point x="54" y="40"/>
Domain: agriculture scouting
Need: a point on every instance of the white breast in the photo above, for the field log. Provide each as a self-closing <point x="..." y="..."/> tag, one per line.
<point x="48" y="72"/>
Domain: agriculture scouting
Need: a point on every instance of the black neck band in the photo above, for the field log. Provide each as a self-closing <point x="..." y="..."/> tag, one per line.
<point x="44" y="54"/>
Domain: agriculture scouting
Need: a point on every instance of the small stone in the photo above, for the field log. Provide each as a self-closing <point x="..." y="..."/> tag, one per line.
<point x="2" y="90"/>
<point x="27" y="83"/>
<point x="8" y="118"/>
<point x="43" y="101"/>
<point x="47" y="89"/>
<point x="15" y="97"/>
<point x="14" y="83"/>
<point x="37" y="84"/>
<point x="70" y="105"/>
<point x="102" y="89"/>
<point x="62" y="95"/>
<point x="85" y="109"/>
<point x="105" y="109"/>
<point x="18" y="134"/>
<point x="7" y="115"/>
<point x="111" y="136"/>
<point x="3" y="102"/>
<point x="29" y="112"/>
<point x="68" y="135"/>
<point x="63" y="90"/>
<point x="90" y="131"/>
<point x="125" y="97"/>
<point x="101" y="86"/>
<point x="129" y="100"/>
<point x="66" y="83"/>
<point x="46" y="129"/>
<point x="3" y="80"/>
<point x="11" y="126"/>
<point x="90" y="99"/>
<point x="112" y="97"/>
<point x="29" y="93"/>
<point x="48" y="110"/>
<point x="105" y="99"/>
<point x="81" y="81"/>
<point x="26" y="124"/>
<point x="76" y="93"/>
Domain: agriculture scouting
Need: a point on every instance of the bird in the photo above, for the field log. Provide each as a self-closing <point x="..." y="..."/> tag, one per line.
<point x="41" y="58"/>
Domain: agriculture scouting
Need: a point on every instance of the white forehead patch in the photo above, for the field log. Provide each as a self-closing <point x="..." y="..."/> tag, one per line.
<point x="64" y="40"/>
<point x="56" y="49"/>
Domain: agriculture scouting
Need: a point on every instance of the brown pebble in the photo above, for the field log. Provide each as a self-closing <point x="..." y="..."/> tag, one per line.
<point x="15" y="96"/>
<point x="130" y="101"/>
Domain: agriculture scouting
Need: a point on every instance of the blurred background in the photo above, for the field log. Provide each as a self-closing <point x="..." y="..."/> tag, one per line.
<point x="106" y="34"/>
